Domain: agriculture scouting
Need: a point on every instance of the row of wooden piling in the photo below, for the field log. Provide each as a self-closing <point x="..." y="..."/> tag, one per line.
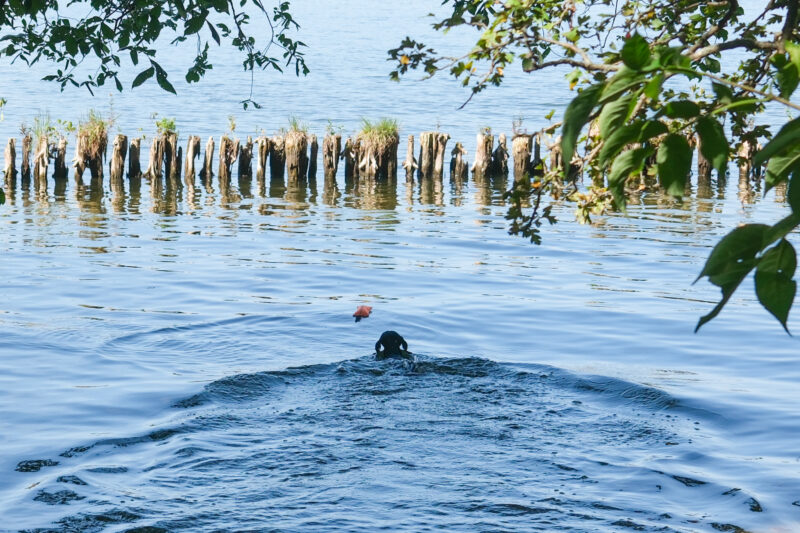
<point x="296" y="153"/>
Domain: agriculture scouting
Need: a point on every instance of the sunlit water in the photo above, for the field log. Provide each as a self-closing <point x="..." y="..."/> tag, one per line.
<point x="184" y="359"/>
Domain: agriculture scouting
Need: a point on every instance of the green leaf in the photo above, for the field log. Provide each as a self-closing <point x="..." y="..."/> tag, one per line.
<point x="635" y="52"/>
<point x="617" y="140"/>
<point x="682" y="109"/>
<point x="731" y="261"/>
<point x="614" y="115"/>
<point x="794" y="193"/>
<point x="629" y="162"/>
<point x="624" y="80"/>
<point x="775" y="287"/>
<point x="713" y="143"/>
<point x="788" y="135"/>
<point x="674" y="160"/>
<point x="575" y="117"/>
<point x="780" y="166"/>
<point x="723" y="92"/>
<point x="162" y="80"/>
<point x="653" y="87"/>
<point x="143" y="76"/>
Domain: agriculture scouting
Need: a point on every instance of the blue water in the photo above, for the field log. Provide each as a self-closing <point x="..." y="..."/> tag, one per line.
<point x="185" y="359"/>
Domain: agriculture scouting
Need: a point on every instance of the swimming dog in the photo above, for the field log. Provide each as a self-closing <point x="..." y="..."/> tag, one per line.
<point x="393" y="344"/>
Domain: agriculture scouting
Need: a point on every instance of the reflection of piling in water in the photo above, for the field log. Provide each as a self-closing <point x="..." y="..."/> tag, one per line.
<point x="331" y="148"/>
<point x="410" y="163"/>
<point x="483" y="154"/>
<point x="458" y="166"/>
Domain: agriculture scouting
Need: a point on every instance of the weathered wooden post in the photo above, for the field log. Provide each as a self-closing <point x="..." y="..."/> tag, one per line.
<point x="350" y="156"/>
<point x="208" y="161"/>
<point x="192" y="153"/>
<point x="172" y="156"/>
<point x="41" y="160"/>
<point x="703" y="167"/>
<point x="458" y="167"/>
<point x="427" y="153"/>
<point x="156" y="158"/>
<point x="26" y="154"/>
<point x="537" y="165"/>
<point x="296" y="146"/>
<point x="228" y="152"/>
<point x="263" y="152"/>
<point x="483" y="154"/>
<point x="10" y="168"/>
<point x="277" y="157"/>
<point x="60" y="163"/>
<point x="499" y="163"/>
<point x="439" y="153"/>
<point x="118" y="153"/>
<point x="522" y="145"/>
<point x="79" y="161"/>
<point x="331" y="147"/>
<point x="246" y="159"/>
<point x="377" y="153"/>
<point x="746" y="153"/>
<point x="134" y="166"/>
<point x="556" y="161"/>
<point x="410" y="163"/>
<point x="313" y="149"/>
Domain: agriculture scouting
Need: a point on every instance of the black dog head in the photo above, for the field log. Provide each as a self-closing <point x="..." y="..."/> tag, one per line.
<point x="393" y="345"/>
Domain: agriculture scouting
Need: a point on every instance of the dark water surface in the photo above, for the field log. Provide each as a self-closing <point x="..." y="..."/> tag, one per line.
<point x="176" y="358"/>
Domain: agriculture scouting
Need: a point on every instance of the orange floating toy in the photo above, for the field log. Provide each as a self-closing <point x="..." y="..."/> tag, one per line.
<point x="363" y="311"/>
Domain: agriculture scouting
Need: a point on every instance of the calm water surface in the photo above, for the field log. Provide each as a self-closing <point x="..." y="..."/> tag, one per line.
<point x="176" y="358"/>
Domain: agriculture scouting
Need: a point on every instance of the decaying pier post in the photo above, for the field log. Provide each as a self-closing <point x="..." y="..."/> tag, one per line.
<point x="427" y="153"/>
<point x="10" y="167"/>
<point x="60" y="162"/>
<point x="483" y="154"/>
<point x="439" y="154"/>
<point x="350" y="156"/>
<point x="41" y="160"/>
<point x="246" y="158"/>
<point x="26" y="155"/>
<point x="172" y="156"/>
<point x="499" y="163"/>
<point x="208" y="160"/>
<point x="134" y="165"/>
<point x="296" y="149"/>
<point x="118" y="153"/>
<point x="521" y="146"/>
<point x="410" y="163"/>
<point x="263" y="144"/>
<point x="192" y="153"/>
<point x="228" y="152"/>
<point x="703" y="167"/>
<point x="331" y="147"/>
<point x="277" y="157"/>
<point x="156" y="158"/>
<point x="313" y="156"/>
<point x="458" y="167"/>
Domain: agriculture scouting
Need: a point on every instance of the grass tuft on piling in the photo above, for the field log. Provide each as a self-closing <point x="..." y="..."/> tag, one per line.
<point x="381" y="134"/>
<point x="94" y="129"/>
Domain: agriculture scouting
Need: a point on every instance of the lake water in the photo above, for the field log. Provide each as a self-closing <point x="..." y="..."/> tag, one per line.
<point x="176" y="359"/>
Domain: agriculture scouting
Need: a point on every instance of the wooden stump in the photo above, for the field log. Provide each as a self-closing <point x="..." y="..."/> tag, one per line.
<point x="427" y="153"/>
<point x="228" y="152"/>
<point x="192" y="153"/>
<point x="41" y="160"/>
<point x="537" y="165"/>
<point x="410" y="163"/>
<point x="246" y="159"/>
<point x="134" y="167"/>
<point x="556" y="161"/>
<point x="703" y="167"/>
<point x="10" y="167"/>
<point x="377" y="157"/>
<point x="313" y="149"/>
<point x="172" y="156"/>
<point x="263" y="144"/>
<point x="156" y="158"/>
<point x="458" y="167"/>
<point x="439" y="151"/>
<point x="483" y="155"/>
<point x="499" y="163"/>
<point x="118" y="153"/>
<point x="60" y="163"/>
<point x="331" y="147"/>
<point x="350" y="156"/>
<point x="208" y="160"/>
<point x="26" y="154"/>
<point x="746" y="153"/>
<point x="296" y="146"/>
<point x="277" y="157"/>
<point x="521" y="146"/>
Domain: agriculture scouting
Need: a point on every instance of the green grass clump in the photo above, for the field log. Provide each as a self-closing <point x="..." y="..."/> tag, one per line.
<point x="295" y="124"/>
<point x="382" y="132"/>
